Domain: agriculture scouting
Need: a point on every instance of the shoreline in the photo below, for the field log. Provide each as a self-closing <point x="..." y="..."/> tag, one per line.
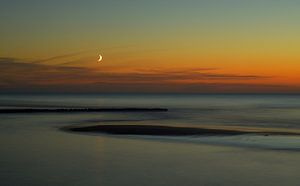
<point x="160" y="130"/>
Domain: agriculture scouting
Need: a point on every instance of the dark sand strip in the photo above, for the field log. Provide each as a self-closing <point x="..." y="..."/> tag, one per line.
<point x="154" y="130"/>
<point x="63" y="110"/>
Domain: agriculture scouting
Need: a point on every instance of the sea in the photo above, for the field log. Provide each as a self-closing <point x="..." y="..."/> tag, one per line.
<point x="34" y="150"/>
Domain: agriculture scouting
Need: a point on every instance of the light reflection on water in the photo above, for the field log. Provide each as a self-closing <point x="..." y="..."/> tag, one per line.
<point x="35" y="152"/>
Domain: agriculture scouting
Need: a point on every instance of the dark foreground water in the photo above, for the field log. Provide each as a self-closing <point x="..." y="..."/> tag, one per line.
<point x="34" y="151"/>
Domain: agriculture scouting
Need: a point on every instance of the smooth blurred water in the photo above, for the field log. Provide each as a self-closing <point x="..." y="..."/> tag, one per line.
<point x="269" y="110"/>
<point x="34" y="151"/>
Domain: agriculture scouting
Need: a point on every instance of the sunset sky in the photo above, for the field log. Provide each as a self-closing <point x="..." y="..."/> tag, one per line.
<point x="198" y="46"/>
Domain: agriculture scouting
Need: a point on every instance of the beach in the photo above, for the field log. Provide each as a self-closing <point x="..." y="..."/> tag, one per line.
<point x="180" y="146"/>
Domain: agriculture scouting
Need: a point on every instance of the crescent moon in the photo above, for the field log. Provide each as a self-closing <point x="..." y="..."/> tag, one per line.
<point x="100" y="58"/>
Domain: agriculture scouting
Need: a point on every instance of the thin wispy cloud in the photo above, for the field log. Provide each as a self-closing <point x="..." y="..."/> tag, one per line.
<point x="57" y="57"/>
<point x="15" y="74"/>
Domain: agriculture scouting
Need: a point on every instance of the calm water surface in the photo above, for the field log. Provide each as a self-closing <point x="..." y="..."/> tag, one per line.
<point x="34" y="151"/>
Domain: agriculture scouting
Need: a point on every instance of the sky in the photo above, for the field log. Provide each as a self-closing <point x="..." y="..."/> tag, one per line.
<point x="172" y="46"/>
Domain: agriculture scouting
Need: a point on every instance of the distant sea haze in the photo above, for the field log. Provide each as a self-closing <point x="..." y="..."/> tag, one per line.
<point x="257" y="110"/>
